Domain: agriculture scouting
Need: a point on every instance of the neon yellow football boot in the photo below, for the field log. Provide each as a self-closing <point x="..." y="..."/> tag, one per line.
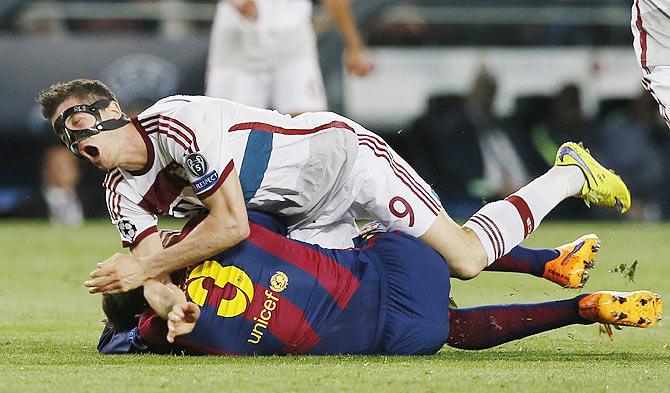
<point x="640" y="308"/>
<point x="602" y="187"/>
<point x="569" y="268"/>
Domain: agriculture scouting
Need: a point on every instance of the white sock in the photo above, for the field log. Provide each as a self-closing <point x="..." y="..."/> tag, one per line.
<point x="502" y="225"/>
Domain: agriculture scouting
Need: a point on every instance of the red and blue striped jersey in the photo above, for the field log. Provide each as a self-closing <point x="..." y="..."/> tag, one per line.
<point x="273" y="295"/>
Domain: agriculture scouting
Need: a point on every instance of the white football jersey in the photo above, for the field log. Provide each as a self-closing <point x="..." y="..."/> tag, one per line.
<point x="650" y="24"/>
<point x="288" y="166"/>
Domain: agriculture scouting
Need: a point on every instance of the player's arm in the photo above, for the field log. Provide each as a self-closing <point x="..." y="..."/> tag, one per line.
<point x="224" y="226"/>
<point x="356" y="59"/>
<point x="170" y="303"/>
<point x="162" y="297"/>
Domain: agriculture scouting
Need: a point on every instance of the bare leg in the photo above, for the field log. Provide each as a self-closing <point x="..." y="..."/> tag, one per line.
<point x="502" y="225"/>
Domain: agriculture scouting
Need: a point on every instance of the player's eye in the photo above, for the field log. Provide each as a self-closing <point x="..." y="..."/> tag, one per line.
<point x="80" y="121"/>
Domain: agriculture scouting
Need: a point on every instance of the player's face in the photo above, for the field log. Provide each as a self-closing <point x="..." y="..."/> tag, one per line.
<point x="100" y="149"/>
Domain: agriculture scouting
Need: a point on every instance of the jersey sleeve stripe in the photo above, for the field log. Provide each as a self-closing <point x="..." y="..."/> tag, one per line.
<point x="110" y="177"/>
<point x="340" y="283"/>
<point x="290" y="131"/>
<point x="140" y="237"/>
<point x="219" y="182"/>
<point x="172" y="129"/>
<point x="111" y="185"/>
<point x="116" y="199"/>
<point x="184" y="128"/>
<point x="174" y="137"/>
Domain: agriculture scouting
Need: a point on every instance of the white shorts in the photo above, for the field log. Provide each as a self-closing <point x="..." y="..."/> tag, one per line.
<point x="293" y="86"/>
<point x="382" y="187"/>
<point x="657" y="81"/>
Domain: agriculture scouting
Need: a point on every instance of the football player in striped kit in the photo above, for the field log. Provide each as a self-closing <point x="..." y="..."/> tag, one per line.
<point x="650" y="24"/>
<point x="270" y="295"/>
<point x="318" y="171"/>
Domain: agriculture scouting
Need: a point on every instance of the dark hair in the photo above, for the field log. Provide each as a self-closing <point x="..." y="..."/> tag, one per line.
<point x="52" y="97"/>
<point x="122" y="309"/>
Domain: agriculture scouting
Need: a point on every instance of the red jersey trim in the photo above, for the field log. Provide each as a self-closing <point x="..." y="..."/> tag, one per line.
<point x="150" y="149"/>
<point x="222" y="178"/>
<point x="140" y="237"/>
<point x="289" y="131"/>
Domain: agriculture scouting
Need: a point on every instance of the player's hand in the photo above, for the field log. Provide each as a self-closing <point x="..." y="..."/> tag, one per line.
<point x="182" y="320"/>
<point x="119" y="273"/>
<point x="357" y="62"/>
<point x="247" y="9"/>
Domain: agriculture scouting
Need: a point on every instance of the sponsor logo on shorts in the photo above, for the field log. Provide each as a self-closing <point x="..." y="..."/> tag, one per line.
<point x="205" y="183"/>
<point x="196" y="164"/>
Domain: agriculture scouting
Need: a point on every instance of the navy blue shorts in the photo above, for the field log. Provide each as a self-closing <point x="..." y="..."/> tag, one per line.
<point x="414" y="306"/>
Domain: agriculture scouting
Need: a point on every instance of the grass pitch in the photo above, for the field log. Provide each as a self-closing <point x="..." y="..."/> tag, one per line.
<point x="49" y="328"/>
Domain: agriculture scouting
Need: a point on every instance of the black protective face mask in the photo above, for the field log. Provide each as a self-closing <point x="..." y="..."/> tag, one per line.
<point x="81" y="121"/>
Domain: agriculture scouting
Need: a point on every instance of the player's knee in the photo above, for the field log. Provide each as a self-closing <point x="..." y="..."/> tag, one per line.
<point x="465" y="270"/>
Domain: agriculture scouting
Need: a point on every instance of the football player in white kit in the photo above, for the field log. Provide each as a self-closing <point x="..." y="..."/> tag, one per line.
<point x="263" y="53"/>
<point x="650" y="24"/>
<point x="317" y="171"/>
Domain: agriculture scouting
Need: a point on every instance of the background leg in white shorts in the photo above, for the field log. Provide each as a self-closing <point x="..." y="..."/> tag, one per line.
<point x="241" y="86"/>
<point x="298" y="85"/>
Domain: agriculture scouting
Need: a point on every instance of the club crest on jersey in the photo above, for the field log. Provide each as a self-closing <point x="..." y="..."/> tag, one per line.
<point x="127" y="229"/>
<point x="278" y="281"/>
<point x="196" y="164"/>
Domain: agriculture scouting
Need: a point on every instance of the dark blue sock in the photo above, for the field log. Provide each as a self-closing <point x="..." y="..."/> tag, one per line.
<point x="524" y="260"/>
<point x="488" y="326"/>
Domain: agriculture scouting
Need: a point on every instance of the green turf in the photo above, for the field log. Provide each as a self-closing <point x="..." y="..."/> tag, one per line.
<point x="49" y="326"/>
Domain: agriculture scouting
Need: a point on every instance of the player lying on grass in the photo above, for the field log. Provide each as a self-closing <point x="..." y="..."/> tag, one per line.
<point x="317" y="171"/>
<point x="389" y="295"/>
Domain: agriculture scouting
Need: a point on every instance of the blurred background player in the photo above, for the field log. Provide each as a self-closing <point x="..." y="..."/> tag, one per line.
<point x="650" y="24"/>
<point x="60" y="176"/>
<point x="390" y="295"/>
<point x="263" y="53"/>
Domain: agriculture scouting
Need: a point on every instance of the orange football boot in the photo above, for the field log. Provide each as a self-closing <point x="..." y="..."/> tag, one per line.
<point x="569" y="269"/>
<point x="640" y="308"/>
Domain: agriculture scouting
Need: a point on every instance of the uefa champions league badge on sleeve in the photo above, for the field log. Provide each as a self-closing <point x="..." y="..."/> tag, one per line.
<point x="197" y="166"/>
<point x="127" y="229"/>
